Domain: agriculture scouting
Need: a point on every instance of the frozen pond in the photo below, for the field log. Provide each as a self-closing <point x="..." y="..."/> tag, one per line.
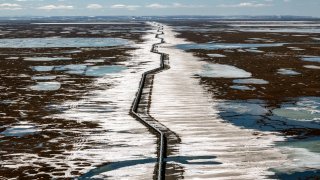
<point x="254" y="51"/>
<point x="82" y="69"/>
<point x="62" y="42"/>
<point x="312" y="67"/>
<point x="311" y="58"/>
<point x="250" y="81"/>
<point x="289" y="72"/>
<point x="46" y="86"/>
<point x="216" y="55"/>
<point x="72" y="68"/>
<point x="47" y="59"/>
<point x="95" y="60"/>
<point x="305" y="109"/>
<point x="103" y="70"/>
<point x="253" y="114"/>
<point x="312" y="144"/>
<point x="223" y="71"/>
<point x="242" y="87"/>
<point x="20" y="130"/>
<point x="216" y="46"/>
<point x="44" y="77"/>
<point x="42" y="68"/>
<point x="282" y="30"/>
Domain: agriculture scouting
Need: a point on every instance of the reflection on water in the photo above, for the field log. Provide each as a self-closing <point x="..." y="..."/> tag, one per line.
<point x="62" y="42"/>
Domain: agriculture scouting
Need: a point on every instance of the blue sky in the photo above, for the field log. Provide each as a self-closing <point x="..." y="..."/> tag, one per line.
<point x="160" y="7"/>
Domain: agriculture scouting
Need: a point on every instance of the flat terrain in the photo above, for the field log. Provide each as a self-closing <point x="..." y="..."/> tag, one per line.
<point x="239" y="98"/>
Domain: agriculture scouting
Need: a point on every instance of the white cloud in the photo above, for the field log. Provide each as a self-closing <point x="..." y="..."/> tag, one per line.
<point x="123" y="6"/>
<point x="156" y="6"/>
<point x="173" y="5"/>
<point x="55" y="7"/>
<point x="178" y="5"/>
<point x="286" y="0"/>
<point x="94" y="6"/>
<point x="245" y="4"/>
<point x="9" y="6"/>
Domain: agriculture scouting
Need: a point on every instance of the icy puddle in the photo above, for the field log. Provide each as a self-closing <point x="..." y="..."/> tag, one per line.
<point x="46" y="86"/>
<point x="83" y="69"/>
<point x="42" y="68"/>
<point x="103" y="70"/>
<point x="250" y="81"/>
<point x="242" y="87"/>
<point x="311" y="59"/>
<point x="95" y="60"/>
<point x="312" y="67"/>
<point x="216" y="55"/>
<point x="23" y="129"/>
<point x="62" y="42"/>
<point x="288" y="72"/>
<point x="254" y="51"/>
<point x="296" y="49"/>
<point x="44" y="59"/>
<point x="216" y="46"/>
<point x="39" y="78"/>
